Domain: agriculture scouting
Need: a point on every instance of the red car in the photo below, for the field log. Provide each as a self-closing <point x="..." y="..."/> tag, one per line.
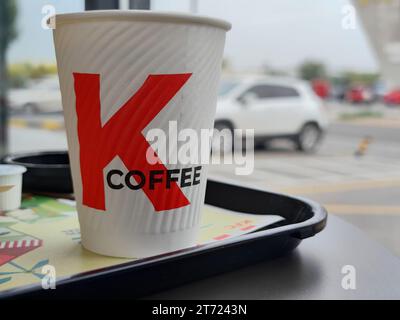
<point x="321" y="88"/>
<point x="358" y="94"/>
<point x="392" y="97"/>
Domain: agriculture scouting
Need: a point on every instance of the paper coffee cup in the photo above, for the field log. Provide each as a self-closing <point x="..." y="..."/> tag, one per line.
<point x="123" y="73"/>
<point x="10" y="186"/>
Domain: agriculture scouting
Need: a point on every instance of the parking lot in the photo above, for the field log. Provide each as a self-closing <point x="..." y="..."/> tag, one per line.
<point x="363" y="189"/>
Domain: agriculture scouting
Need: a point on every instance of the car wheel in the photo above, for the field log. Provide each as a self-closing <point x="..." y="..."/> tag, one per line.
<point x="309" y="137"/>
<point x="221" y="145"/>
<point x="30" y="108"/>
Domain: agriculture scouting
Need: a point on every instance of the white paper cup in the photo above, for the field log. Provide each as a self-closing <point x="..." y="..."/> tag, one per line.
<point x="123" y="73"/>
<point x="10" y="186"/>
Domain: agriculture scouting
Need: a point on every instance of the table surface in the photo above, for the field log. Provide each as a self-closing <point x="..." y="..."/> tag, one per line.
<point x="312" y="271"/>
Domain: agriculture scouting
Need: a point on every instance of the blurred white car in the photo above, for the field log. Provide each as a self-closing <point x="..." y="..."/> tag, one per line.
<point x="274" y="108"/>
<point x="39" y="96"/>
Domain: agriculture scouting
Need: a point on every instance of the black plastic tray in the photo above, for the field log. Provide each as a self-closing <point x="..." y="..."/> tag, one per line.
<point x="304" y="219"/>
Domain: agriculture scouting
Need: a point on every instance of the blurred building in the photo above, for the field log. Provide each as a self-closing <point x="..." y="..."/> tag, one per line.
<point x="381" y="21"/>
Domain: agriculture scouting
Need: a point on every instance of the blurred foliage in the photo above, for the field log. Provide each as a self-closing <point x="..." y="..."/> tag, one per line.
<point x="310" y="70"/>
<point x="353" y="78"/>
<point x="339" y="81"/>
<point x="19" y="74"/>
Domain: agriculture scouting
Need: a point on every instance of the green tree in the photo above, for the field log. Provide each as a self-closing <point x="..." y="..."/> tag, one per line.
<point x="8" y="32"/>
<point x="362" y="78"/>
<point x="310" y="70"/>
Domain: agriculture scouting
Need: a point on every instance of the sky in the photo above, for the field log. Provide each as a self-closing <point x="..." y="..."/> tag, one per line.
<point x="279" y="34"/>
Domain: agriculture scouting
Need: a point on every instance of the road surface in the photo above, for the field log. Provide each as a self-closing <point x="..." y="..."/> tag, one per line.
<point x="364" y="190"/>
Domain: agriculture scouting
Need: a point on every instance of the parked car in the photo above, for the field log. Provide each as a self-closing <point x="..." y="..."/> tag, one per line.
<point x="338" y="92"/>
<point x="39" y="96"/>
<point x="359" y="94"/>
<point x="274" y="108"/>
<point x="392" y="97"/>
<point x="379" y="90"/>
<point x="321" y="88"/>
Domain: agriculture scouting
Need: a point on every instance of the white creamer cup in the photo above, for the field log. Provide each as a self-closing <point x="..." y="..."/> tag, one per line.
<point x="10" y="186"/>
<point x="121" y="74"/>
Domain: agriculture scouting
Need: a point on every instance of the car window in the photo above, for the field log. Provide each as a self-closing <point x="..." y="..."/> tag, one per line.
<point x="263" y="91"/>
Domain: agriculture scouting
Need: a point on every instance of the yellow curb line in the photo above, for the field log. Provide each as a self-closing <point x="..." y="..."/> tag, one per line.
<point x="362" y="209"/>
<point x="51" y="125"/>
<point x="45" y="124"/>
<point x="18" y="123"/>
<point x="341" y="187"/>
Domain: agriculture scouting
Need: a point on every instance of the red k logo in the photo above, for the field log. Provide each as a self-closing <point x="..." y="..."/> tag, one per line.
<point x="121" y="136"/>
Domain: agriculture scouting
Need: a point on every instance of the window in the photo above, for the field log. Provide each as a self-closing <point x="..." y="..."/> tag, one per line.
<point x="264" y="91"/>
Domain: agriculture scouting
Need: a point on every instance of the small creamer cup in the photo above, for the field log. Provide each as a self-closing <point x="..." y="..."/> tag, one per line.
<point x="10" y="186"/>
<point x="123" y="73"/>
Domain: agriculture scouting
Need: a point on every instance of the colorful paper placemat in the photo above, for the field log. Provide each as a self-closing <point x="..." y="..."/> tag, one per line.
<point x="45" y="231"/>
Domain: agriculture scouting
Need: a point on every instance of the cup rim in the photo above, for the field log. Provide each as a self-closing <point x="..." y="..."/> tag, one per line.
<point x="11" y="170"/>
<point x="141" y="15"/>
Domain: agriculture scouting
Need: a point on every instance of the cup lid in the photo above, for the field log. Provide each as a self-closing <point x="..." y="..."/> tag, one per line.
<point x="11" y="169"/>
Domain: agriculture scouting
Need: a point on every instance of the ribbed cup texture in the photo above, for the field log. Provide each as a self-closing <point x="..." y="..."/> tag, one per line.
<point x="125" y="53"/>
